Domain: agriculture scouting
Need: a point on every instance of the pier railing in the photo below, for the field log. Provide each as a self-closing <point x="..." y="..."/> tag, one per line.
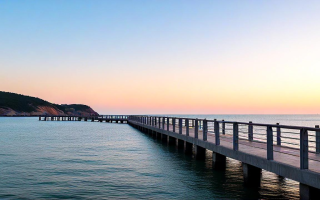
<point x="298" y="141"/>
<point x="113" y="117"/>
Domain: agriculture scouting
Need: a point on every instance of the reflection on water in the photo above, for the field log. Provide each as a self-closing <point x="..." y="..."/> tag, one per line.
<point x="100" y="160"/>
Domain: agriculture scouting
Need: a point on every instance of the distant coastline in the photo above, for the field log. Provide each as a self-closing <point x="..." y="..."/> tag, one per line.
<point x="17" y="105"/>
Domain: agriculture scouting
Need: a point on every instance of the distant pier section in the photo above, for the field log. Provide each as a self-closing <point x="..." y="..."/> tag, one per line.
<point x="288" y="151"/>
<point x="100" y="118"/>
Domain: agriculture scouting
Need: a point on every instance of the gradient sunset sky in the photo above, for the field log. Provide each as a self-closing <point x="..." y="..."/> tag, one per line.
<point x="164" y="56"/>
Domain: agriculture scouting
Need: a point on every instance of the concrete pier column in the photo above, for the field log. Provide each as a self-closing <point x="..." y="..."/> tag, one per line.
<point x="251" y="175"/>
<point x="188" y="147"/>
<point x="200" y="152"/>
<point x="171" y="140"/>
<point x="308" y="192"/>
<point x="180" y="143"/>
<point x="164" y="138"/>
<point x="218" y="161"/>
<point x="158" y="135"/>
<point x="154" y="134"/>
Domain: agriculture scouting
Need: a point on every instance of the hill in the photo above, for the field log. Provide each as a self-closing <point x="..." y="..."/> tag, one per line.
<point x="12" y="104"/>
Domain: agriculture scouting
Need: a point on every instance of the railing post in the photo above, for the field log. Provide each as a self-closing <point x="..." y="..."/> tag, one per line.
<point x="180" y="126"/>
<point x="187" y="126"/>
<point x="250" y="131"/>
<point x="205" y="130"/>
<point x="235" y="136"/>
<point x="304" y="161"/>
<point x="174" y="124"/>
<point x="269" y="143"/>
<point x="278" y="135"/>
<point x="196" y="127"/>
<point x="317" y="140"/>
<point x="163" y="120"/>
<point x="223" y="127"/>
<point x="168" y="120"/>
<point x="216" y="132"/>
<point x="159" y="122"/>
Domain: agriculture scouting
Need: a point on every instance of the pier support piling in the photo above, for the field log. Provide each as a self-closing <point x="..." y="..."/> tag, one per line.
<point x="200" y="152"/>
<point x="164" y="138"/>
<point x="308" y="192"/>
<point x="188" y="147"/>
<point x="251" y="175"/>
<point x="180" y="144"/>
<point x="159" y="135"/>
<point x="218" y="161"/>
<point x="171" y="140"/>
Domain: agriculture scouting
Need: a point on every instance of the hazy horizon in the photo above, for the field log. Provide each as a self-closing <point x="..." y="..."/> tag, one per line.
<point x="147" y="57"/>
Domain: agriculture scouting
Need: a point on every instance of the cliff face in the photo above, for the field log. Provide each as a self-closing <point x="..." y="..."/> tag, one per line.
<point x="41" y="110"/>
<point x="15" y="104"/>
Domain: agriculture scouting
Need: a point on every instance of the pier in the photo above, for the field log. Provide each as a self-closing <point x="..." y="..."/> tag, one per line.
<point x="100" y="118"/>
<point x="288" y="151"/>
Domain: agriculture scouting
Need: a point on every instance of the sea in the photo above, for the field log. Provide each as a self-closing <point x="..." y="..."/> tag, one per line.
<point x="91" y="160"/>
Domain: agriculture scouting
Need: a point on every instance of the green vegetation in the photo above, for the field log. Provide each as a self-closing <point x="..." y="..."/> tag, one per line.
<point x="21" y="103"/>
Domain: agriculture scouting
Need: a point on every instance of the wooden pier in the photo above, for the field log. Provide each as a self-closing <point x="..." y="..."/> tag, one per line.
<point x="288" y="151"/>
<point x="100" y="118"/>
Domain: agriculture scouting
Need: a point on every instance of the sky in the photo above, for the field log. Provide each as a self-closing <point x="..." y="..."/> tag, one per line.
<point x="164" y="56"/>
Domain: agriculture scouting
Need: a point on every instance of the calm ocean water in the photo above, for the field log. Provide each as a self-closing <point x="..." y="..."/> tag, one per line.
<point x="85" y="160"/>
